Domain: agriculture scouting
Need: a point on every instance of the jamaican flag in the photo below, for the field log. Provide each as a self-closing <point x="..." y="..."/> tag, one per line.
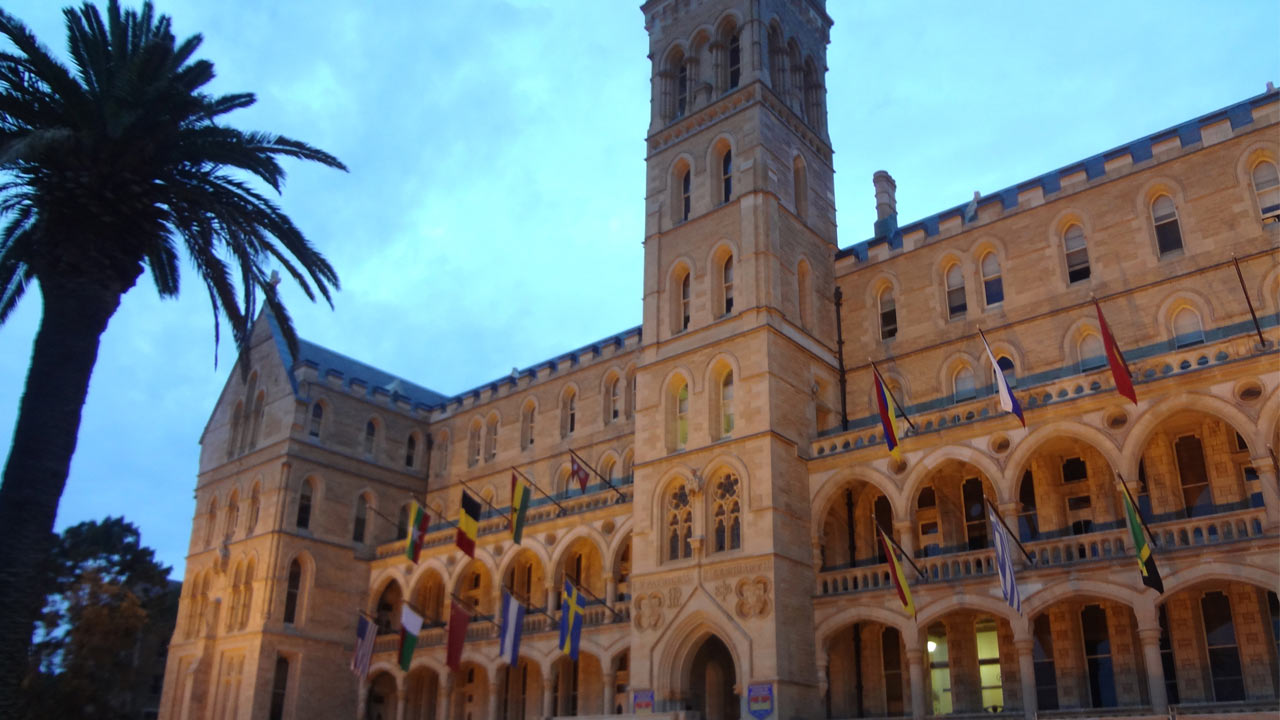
<point x="1146" y="563"/>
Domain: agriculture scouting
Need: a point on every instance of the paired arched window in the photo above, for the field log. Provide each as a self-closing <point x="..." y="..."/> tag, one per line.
<point x="679" y="524"/>
<point x="1164" y="216"/>
<point x="527" y="425"/>
<point x="569" y="413"/>
<point x="293" y="592"/>
<point x="726" y="176"/>
<point x="1092" y="354"/>
<point x="613" y="399"/>
<point x="1077" y="254"/>
<point x="682" y="88"/>
<point x="777" y="62"/>
<point x="726" y="404"/>
<point x="888" y="314"/>
<point x="992" y="282"/>
<point x="255" y="506"/>
<point x="956" y="304"/>
<point x="491" y="438"/>
<point x="726" y="513"/>
<point x="473" y="444"/>
<point x="964" y="384"/>
<point x="317" y="419"/>
<point x="303" y="520"/>
<point x="370" y="436"/>
<point x="361" y="520"/>
<point x="1266" y="187"/>
<point x="1187" y="330"/>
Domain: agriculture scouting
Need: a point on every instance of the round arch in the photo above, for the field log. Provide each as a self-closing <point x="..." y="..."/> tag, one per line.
<point x="926" y="466"/>
<point x="563" y="544"/>
<point x="1228" y="571"/>
<point x="994" y="606"/>
<point x="1140" y="603"/>
<point x="831" y="487"/>
<point x="1148" y="422"/>
<point x="1036" y="439"/>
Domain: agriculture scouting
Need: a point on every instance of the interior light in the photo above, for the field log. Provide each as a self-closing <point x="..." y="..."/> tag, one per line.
<point x="932" y="646"/>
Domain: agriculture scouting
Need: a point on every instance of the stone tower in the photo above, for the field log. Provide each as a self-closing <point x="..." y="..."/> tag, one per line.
<point x="738" y="364"/>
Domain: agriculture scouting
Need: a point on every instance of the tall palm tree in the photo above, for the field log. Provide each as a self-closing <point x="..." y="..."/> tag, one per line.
<point x="115" y="167"/>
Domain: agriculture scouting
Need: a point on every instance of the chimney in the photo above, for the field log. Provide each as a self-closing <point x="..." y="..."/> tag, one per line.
<point x="886" y="204"/>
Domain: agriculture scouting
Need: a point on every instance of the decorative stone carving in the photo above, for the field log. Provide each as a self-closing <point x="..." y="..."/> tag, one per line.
<point x="753" y="597"/>
<point x="674" y="595"/>
<point x="722" y="591"/>
<point x="648" y="611"/>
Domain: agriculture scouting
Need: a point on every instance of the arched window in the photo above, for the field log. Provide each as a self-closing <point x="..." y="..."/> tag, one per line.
<point x="211" y="522"/>
<point x="317" y="418"/>
<point x="410" y="451"/>
<point x="804" y="294"/>
<point x="679" y="418"/>
<point x="777" y="62"/>
<point x="939" y="668"/>
<point x="1005" y="365"/>
<point x="726" y="284"/>
<point x="1097" y="656"/>
<point x="526" y="425"/>
<point x="1266" y="186"/>
<point x="569" y="413"/>
<point x="402" y="523"/>
<point x="255" y="506"/>
<point x="1077" y="254"/>
<point x="233" y="516"/>
<point x="1042" y="661"/>
<point x="613" y="399"/>
<point x="491" y="438"/>
<point x="683" y="306"/>
<point x="682" y="88"/>
<point x="956" y="305"/>
<point x="304" y="506"/>
<point x="1164" y="215"/>
<point x="626" y="464"/>
<point x="1225" y="667"/>
<point x="1092" y="354"/>
<point x="679" y="524"/>
<point x="473" y="444"/>
<point x="236" y="421"/>
<point x="246" y="596"/>
<point x="726" y="404"/>
<point x="734" y="53"/>
<point x="279" y="688"/>
<point x="631" y="393"/>
<point x="1028" y="521"/>
<point x="686" y="194"/>
<point x="726" y="176"/>
<point x="800" y="184"/>
<point x="975" y="513"/>
<point x="1187" y="330"/>
<point x="726" y="514"/>
<point x="293" y="589"/>
<point x="888" y="314"/>
<point x="964" y="384"/>
<point x="370" y="435"/>
<point x="992" y="283"/>
<point x="362" y="515"/>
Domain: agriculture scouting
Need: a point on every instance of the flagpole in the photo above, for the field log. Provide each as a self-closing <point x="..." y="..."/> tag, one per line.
<point x="593" y="596"/>
<point x="889" y="392"/>
<point x="587" y="465"/>
<point x="534" y="485"/>
<point x="486" y="502"/>
<point x="1136" y="510"/>
<point x="1249" y="301"/>
<point x="1009" y="530"/>
<point x="905" y="556"/>
<point x="472" y="613"/>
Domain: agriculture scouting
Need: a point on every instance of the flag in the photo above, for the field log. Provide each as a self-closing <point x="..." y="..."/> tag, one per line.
<point x="886" y="418"/>
<point x="579" y="473"/>
<point x="1115" y="358"/>
<point x="1004" y="559"/>
<point x="899" y="577"/>
<point x="512" y="626"/>
<point x="1146" y="563"/>
<point x="365" y="634"/>
<point x="468" y="524"/>
<point x="459" y="617"/>
<point x="571" y="617"/>
<point x="520" y="498"/>
<point x="410" y="626"/>
<point x="1008" y="402"/>
<point x="417" y="532"/>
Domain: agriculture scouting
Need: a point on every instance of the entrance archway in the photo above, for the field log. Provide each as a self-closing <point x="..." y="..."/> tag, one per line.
<point x="712" y="679"/>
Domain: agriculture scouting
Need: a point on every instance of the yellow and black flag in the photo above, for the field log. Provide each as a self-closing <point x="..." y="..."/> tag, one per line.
<point x="468" y="524"/>
<point x="1146" y="563"/>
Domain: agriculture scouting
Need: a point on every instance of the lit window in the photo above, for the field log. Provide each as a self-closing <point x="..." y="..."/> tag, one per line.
<point x="1165" y="217"/>
<point x="956" y="305"/>
<point x="726" y="176"/>
<point x="726" y="278"/>
<point x="939" y="668"/>
<point x="888" y="314"/>
<point x="1077" y="254"/>
<point x="682" y="416"/>
<point x="1266" y="185"/>
<point x="992" y="284"/>
<point x="1186" y="328"/>
<point x="964" y="384"/>
<point x="989" y="665"/>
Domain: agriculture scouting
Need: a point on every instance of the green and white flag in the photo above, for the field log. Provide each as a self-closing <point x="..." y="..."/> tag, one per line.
<point x="410" y="626"/>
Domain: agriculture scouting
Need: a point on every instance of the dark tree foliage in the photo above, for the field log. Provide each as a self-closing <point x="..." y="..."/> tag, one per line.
<point x="108" y="604"/>
<point x="116" y="165"/>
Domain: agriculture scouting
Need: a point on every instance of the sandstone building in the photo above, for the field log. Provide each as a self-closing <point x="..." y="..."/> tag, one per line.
<point x="739" y="428"/>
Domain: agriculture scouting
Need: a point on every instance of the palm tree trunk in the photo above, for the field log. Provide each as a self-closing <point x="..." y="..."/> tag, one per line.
<point x="44" y="438"/>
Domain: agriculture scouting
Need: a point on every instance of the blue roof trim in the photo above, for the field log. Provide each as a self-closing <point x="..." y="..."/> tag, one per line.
<point x="1188" y="133"/>
<point x="379" y="383"/>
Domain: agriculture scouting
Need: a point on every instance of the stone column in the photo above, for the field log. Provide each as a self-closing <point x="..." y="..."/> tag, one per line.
<point x="551" y="598"/>
<point x="402" y="699"/>
<point x="548" y="695"/>
<point x="444" y="703"/>
<point x="493" y="699"/>
<point x="611" y="590"/>
<point x="1150" y="639"/>
<point x="362" y="694"/>
<point x="1270" y="491"/>
<point x="1027" y="674"/>
<point x="915" y="667"/>
<point x="606" y="703"/>
<point x="904" y="531"/>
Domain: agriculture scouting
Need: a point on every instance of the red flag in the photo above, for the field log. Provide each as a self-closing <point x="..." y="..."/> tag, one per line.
<point x="576" y="470"/>
<point x="1115" y="358"/>
<point x="459" y="617"/>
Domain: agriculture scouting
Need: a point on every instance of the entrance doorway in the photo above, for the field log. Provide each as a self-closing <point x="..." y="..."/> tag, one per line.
<point x="711" y="681"/>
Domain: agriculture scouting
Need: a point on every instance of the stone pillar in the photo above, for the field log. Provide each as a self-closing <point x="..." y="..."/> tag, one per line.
<point x="493" y="698"/>
<point x="551" y="598"/>
<point x="1027" y="674"/>
<point x="402" y="699"/>
<point x="904" y="533"/>
<point x="444" y="703"/>
<point x="1124" y="656"/>
<point x="915" y="668"/>
<point x="611" y="591"/>
<point x="606" y="704"/>
<point x="362" y="695"/>
<point x="548" y="694"/>
<point x="1270" y="491"/>
<point x="1150" y="639"/>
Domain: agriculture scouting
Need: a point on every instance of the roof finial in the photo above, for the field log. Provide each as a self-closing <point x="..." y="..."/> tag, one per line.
<point x="274" y="280"/>
<point x="971" y="211"/>
<point x="1271" y="87"/>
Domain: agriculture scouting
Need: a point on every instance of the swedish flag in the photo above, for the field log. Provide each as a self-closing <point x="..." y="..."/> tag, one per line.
<point x="571" y="617"/>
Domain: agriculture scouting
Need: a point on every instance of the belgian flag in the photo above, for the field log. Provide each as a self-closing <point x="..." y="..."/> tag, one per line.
<point x="468" y="524"/>
<point x="1146" y="563"/>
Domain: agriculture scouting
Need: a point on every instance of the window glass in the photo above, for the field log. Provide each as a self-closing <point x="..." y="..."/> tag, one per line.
<point x="888" y="315"/>
<point x="1042" y="659"/>
<point x="727" y="284"/>
<point x="939" y="668"/>
<point x="1165" y="217"/>
<point x="1266" y="183"/>
<point x="726" y="403"/>
<point x="735" y="60"/>
<point x="685" y="194"/>
<point x="1077" y="254"/>
<point x="304" y="506"/>
<point x="1097" y="653"/>
<point x="1224" y="655"/>
<point x="956" y="305"/>
<point x="992" y="284"/>
<point x="726" y="176"/>
<point x="989" y="665"/>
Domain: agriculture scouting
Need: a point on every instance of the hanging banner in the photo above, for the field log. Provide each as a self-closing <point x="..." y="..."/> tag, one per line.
<point x="760" y="700"/>
<point x="642" y="702"/>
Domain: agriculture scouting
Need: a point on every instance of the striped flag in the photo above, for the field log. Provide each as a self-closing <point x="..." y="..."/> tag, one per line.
<point x="365" y="635"/>
<point x="417" y="532"/>
<point x="410" y="626"/>
<point x="1115" y="359"/>
<point x="579" y="473"/>
<point x="468" y="524"/>
<point x="1146" y="563"/>
<point x="898" y="576"/>
<point x="887" y="420"/>
<point x="571" y="618"/>
<point x="1004" y="560"/>
<point x="1008" y="402"/>
<point x="512" y="626"/>
<point x="521" y="495"/>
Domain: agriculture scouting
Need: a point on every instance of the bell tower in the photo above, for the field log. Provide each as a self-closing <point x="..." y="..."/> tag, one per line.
<point x="738" y="353"/>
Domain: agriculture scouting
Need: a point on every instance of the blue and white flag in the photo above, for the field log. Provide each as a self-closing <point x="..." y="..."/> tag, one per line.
<point x="512" y="625"/>
<point x="1008" y="402"/>
<point x="365" y="634"/>
<point x="1004" y="560"/>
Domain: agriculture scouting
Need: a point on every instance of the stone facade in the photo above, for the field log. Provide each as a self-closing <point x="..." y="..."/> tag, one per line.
<point x="734" y="541"/>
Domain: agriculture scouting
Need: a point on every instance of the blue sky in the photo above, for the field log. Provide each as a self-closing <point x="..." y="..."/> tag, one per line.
<point x="493" y="215"/>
